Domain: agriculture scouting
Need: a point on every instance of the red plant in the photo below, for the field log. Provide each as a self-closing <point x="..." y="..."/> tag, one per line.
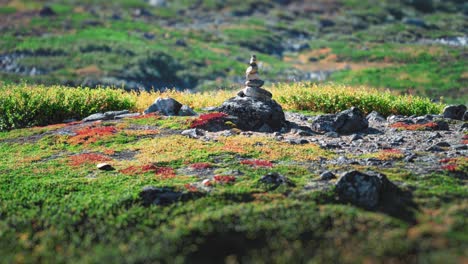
<point x="200" y="166"/>
<point x="191" y="188"/>
<point x="465" y="140"/>
<point x="92" y="134"/>
<point x="87" y="158"/>
<point x="257" y="163"/>
<point x="448" y="160"/>
<point x="224" y="179"/>
<point x="204" y="119"/>
<point x="455" y="164"/>
<point x="402" y="125"/>
<point x="450" y="167"/>
<point x="166" y="172"/>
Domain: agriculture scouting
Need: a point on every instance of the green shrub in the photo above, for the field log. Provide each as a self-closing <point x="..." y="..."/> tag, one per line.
<point x="28" y="105"/>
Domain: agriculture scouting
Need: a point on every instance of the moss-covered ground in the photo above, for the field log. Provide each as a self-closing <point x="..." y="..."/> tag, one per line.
<point x="56" y="206"/>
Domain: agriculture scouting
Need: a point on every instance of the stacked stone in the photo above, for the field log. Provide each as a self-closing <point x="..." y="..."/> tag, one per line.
<point x="254" y="83"/>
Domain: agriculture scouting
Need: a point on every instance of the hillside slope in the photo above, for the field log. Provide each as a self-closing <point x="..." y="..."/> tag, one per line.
<point x="416" y="47"/>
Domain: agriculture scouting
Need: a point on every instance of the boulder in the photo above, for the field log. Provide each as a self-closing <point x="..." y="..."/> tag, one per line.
<point x="274" y="180"/>
<point x="376" y="117"/>
<point x="186" y="111"/>
<point x="193" y="133"/>
<point x="165" y="106"/>
<point x="252" y="114"/>
<point x="105" y="116"/>
<point x="327" y="175"/>
<point x="361" y="189"/>
<point x="47" y="11"/>
<point x="346" y="122"/>
<point x="455" y="111"/>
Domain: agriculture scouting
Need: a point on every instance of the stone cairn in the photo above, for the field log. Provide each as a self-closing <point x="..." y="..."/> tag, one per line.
<point x="253" y="108"/>
<point x="254" y="83"/>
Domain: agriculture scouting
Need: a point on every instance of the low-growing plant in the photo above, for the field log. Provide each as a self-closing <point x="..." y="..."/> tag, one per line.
<point x="257" y="163"/>
<point x="224" y="179"/>
<point x="87" y="158"/>
<point x="91" y="134"/>
<point x="205" y="119"/>
<point x="405" y="126"/>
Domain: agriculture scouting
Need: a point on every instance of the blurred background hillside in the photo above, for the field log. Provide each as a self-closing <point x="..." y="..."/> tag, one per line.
<point x="410" y="46"/>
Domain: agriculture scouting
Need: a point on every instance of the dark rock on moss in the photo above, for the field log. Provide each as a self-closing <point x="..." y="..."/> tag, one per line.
<point x="252" y="114"/>
<point x="327" y="175"/>
<point x="159" y="196"/>
<point x="47" y="11"/>
<point x="361" y="189"/>
<point x="455" y="112"/>
<point x="274" y="180"/>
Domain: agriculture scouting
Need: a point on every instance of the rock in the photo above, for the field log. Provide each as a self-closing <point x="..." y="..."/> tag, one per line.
<point x="275" y="180"/>
<point x="297" y="141"/>
<point x="253" y="114"/>
<point x="165" y="106"/>
<point x="327" y="175"/>
<point x="186" y="111"/>
<point x="361" y="189"/>
<point x="254" y="83"/>
<point x="460" y="147"/>
<point x="434" y="148"/>
<point x="441" y="125"/>
<point x="127" y="115"/>
<point x="159" y="196"/>
<point x="105" y="116"/>
<point x="257" y="93"/>
<point x="355" y="137"/>
<point x="193" y="133"/>
<point x="47" y="11"/>
<point x="455" y="112"/>
<point x="443" y="144"/>
<point x="346" y="122"/>
<point x="374" y="116"/>
<point x="332" y="134"/>
<point x="105" y="167"/>
<point x="351" y="121"/>
<point x="415" y="22"/>
<point x="465" y="116"/>
<point x="410" y="158"/>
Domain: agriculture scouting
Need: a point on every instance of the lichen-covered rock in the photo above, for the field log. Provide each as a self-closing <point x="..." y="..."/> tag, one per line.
<point x="361" y="189"/>
<point x="252" y="114"/>
<point x="186" y="111"/>
<point x="455" y="111"/>
<point x="105" y="116"/>
<point x="346" y="122"/>
<point x="165" y="106"/>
